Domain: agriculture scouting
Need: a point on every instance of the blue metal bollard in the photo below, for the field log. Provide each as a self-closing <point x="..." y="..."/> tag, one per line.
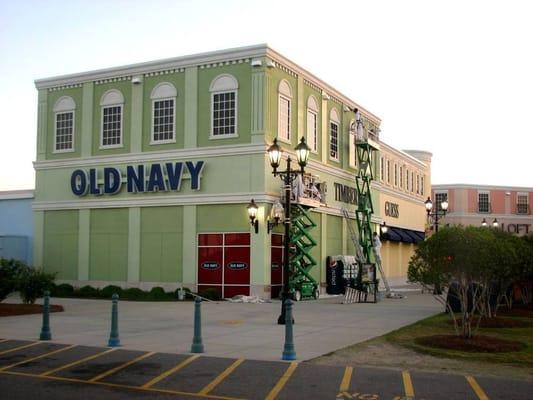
<point x="114" y="340"/>
<point x="45" y="330"/>
<point x="288" y="348"/>
<point x="197" y="345"/>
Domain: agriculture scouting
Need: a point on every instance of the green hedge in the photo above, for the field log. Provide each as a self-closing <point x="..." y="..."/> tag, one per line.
<point x="156" y="294"/>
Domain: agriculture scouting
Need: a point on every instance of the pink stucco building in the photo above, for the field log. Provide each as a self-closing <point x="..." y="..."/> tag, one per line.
<point x="507" y="207"/>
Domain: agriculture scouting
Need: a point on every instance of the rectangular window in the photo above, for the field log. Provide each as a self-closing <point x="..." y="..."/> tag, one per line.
<point x="388" y="171"/>
<point x="381" y="169"/>
<point x="521" y="204"/>
<point x="64" y="131"/>
<point x="163" y="120"/>
<point x="334" y="141"/>
<point x="412" y="181"/>
<point x="483" y="203"/>
<point x="395" y="175"/>
<point x="418" y="184"/>
<point x="224" y="114"/>
<point x="112" y="126"/>
<point x="407" y="179"/>
<point x="422" y="185"/>
<point x="401" y="177"/>
<point x="439" y="198"/>
<point x="312" y="130"/>
<point x="284" y="128"/>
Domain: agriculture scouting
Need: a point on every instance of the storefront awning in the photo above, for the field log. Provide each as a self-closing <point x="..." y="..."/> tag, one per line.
<point x="395" y="234"/>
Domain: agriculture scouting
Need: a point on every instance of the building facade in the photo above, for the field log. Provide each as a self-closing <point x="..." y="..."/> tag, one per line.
<point x="144" y="172"/>
<point x="505" y="207"/>
<point x="16" y="225"/>
<point x="404" y="183"/>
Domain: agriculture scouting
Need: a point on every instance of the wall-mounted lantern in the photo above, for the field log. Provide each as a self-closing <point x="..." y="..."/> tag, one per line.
<point x="252" y="214"/>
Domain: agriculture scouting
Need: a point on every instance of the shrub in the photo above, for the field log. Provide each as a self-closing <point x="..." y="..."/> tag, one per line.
<point x="62" y="290"/>
<point x="158" y="293"/>
<point x="110" y="290"/>
<point x="133" y="294"/>
<point x="88" y="291"/>
<point x="210" y="293"/>
<point x="32" y="283"/>
<point x="9" y="273"/>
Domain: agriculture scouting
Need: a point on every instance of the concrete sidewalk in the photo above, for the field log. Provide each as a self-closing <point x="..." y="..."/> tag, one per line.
<point x="229" y="329"/>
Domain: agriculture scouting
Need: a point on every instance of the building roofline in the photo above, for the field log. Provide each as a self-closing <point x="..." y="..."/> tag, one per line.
<point x="402" y="153"/>
<point x="17" y="194"/>
<point x="258" y="50"/>
<point x="482" y="187"/>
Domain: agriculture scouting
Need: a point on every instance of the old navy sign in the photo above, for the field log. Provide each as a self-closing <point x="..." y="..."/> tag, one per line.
<point x="138" y="179"/>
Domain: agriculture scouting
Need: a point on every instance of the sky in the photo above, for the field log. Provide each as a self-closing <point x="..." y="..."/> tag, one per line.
<point x="454" y="78"/>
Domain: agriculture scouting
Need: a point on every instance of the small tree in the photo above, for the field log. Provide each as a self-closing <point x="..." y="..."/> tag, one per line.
<point x="9" y="276"/>
<point x="458" y="256"/>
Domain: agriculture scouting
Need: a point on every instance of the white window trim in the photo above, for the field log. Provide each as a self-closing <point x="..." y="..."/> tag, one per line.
<point x="280" y="138"/>
<point x="72" y="149"/>
<point x="338" y="141"/>
<point x="232" y="135"/>
<point x="152" y="136"/>
<point x="487" y="192"/>
<point x="315" y="113"/>
<point x="112" y="146"/>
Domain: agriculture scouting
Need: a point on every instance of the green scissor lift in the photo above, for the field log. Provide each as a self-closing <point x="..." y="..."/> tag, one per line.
<point x="301" y="283"/>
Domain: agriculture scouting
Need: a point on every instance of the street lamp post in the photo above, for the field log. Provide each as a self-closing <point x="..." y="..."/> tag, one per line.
<point x="302" y="154"/>
<point x="439" y="212"/>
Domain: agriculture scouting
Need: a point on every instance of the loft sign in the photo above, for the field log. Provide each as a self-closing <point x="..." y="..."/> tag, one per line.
<point x="345" y="194"/>
<point x="392" y="209"/>
<point x="164" y="177"/>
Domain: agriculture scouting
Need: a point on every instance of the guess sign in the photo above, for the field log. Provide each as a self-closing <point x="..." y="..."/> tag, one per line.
<point x="210" y="265"/>
<point x="392" y="209"/>
<point x="237" y="265"/>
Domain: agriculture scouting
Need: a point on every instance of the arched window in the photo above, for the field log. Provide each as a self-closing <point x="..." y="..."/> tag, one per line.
<point x="284" y="110"/>
<point x="312" y="123"/>
<point x="334" y="122"/>
<point x="112" y="103"/>
<point x="163" y="113"/>
<point x="64" y="109"/>
<point x="351" y="148"/>
<point x="224" y="90"/>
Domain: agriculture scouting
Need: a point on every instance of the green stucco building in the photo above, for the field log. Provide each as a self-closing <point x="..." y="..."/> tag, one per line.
<point x="144" y="172"/>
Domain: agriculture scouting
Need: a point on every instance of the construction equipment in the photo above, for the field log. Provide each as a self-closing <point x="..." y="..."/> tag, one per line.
<point x="301" y="283"/>
<point x="362" y="239"/>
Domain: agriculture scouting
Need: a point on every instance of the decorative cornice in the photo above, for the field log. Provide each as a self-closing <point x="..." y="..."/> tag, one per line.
<point x="219" y="151"/>
<point x="480" y="187"/>
<point x="111" y="80"/>
<point x="403" y="155"/>
<point x="63" y="87"/>
<point x="16" y="194"/>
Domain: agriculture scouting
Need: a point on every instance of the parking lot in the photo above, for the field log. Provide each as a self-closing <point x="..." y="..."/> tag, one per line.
<point x="61" y="371"/>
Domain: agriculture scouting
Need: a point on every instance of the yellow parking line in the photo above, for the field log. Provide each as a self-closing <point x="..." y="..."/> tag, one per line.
<point x="76" y="362"/>
<point x="282" y="381"/>
<point x="408" y="384"/>
<point x="38" y="357"/>
<point x="20" y="348"/>
<point x="345" y="383"/>
<point x="210" y="386"/>
<point x="170" y="371"/>
<point x="119" y="386"/>
<point x="3" y="340"/>
<point x="116" y="369"/>
<point x="475" y="386"/>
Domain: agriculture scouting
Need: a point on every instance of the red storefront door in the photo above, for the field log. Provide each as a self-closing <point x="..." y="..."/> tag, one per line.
<point x="276" y="264"/>
<point x="224" y="263"/>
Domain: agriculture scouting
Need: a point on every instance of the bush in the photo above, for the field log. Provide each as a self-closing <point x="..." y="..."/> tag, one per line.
<point x="133" y="294"/>
<point x="88" y="291"/>
<point x="210" y="293"/>
<point x="32" y="283"/>
<point x="9" y="274"/>
<point x="110" y="290"/>
<point x="158" y="293"/>
<point x="63" y="290"/>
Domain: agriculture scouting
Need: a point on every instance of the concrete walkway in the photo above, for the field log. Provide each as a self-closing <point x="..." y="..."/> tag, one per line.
<point x="229" y="329"/>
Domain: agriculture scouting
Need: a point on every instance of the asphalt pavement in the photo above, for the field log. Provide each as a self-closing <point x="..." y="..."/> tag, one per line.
<point x="55" y="371"/>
